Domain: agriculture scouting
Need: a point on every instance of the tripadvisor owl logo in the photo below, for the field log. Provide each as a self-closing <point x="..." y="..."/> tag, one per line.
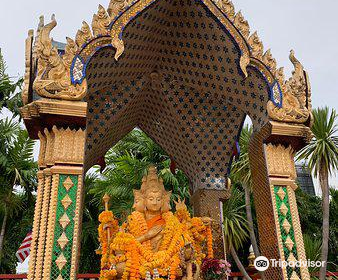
<point x="261" y="263"/>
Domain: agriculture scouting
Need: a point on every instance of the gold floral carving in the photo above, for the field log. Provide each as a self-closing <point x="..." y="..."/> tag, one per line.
<point x="296" y="98"/>
<point x="116" y="6"/>
<point x="28" y="66"/>
<point x="61" y="146"/>
<point x="53" y="73"/>
<point x="256" y="46"/>
<point x="270" y="61"/>
<point x="242" y="24"/>
<point x="62" y="241"/>
<point x="100" y="22"/>
<point x="83" y="35"/>
<point x="227" y="7"/>
<point x="280" y="161"/>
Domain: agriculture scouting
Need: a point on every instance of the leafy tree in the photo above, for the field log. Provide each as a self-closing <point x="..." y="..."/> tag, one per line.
<point x="17" y="169"/>
<point x="235" y="226"/>
<point x="127" y="162"/>
<point x="241" y="173"/>
<point x="322" y="156"/>
<point x="10" y="91"/>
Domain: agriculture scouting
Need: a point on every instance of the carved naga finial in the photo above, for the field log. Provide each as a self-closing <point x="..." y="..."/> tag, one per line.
<point x="53" y="73"/>
<point x="296" y="96"/>
<point x="44" y="48"/>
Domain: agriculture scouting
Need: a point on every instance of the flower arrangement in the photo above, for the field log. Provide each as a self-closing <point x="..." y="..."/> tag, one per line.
<point x="215" y="269"/>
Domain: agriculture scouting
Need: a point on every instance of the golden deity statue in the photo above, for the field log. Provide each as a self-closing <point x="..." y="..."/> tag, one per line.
<point x="153" y="242"/>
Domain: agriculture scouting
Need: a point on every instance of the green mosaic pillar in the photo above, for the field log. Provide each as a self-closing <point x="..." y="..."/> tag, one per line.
<point x="64" y="224"/>
<point x="282" y="175"/>
<point x="273" y="175"/>
<point x="58" y="212"/>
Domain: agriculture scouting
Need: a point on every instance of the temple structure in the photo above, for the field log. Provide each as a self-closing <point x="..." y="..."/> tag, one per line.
<point x="187" y="73"/>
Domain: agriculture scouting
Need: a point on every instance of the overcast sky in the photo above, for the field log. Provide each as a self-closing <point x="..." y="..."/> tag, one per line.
<point x="307" y="26"/>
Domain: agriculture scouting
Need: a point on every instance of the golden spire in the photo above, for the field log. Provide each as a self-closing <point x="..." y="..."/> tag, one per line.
<point x="152" y="182"/>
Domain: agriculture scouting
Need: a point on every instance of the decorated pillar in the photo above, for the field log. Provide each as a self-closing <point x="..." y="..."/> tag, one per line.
<point x="207" y="203"/>
<point x="57" y="218"/>
<point x="272" y="153"/>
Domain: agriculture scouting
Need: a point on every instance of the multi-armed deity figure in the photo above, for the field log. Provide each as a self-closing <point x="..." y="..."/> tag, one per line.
<point x="154" y="242"/>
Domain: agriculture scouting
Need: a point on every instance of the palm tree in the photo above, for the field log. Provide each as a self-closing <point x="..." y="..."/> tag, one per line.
<point x="10" y="91"/>
<point x="241" y="173"/>
<point x="17" y="169"/>
<point x="322" y="157"/>
<point x="235" y="227"/>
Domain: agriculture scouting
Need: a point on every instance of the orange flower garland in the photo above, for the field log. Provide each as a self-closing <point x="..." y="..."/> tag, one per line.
<point x="209" y="243"/>
<point x="139" y="259"/>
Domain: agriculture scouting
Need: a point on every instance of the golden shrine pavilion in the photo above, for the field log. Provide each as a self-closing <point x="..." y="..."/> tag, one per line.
<point x="185" y="72"/>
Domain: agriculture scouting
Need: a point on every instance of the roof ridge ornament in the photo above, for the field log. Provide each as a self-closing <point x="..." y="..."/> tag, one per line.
<point x="297" y="96"/>
<point x="63" y="77"/>
<point x="53" y="75"/>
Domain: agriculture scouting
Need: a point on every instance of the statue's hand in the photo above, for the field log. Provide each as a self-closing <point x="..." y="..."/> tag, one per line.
<point x="150" y="234"/>
<point x="153" y="232"/>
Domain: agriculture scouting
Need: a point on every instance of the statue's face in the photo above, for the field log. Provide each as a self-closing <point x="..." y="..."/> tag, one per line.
<point x="138" y="201"/>
<point x="153" y="201"/>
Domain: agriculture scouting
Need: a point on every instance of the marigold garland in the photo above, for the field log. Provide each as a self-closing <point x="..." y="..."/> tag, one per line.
<point x="138" y="258"/>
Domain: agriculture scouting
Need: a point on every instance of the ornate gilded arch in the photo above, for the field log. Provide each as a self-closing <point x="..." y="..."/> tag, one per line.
<point x="64" y="76"/>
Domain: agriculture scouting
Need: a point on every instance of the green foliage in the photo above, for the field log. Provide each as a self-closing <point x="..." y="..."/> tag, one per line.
<point x="235" y="223"/>
<point x="17" y="228"/>
<point x="322" y="152"/>
<point x="127" y="162"/>
<point x="18" y="181"/>
<point x="310" y="214"/>
<point x="240" y="171"/>
<point x="10" y="91"/>
<point x="312" y="247"/>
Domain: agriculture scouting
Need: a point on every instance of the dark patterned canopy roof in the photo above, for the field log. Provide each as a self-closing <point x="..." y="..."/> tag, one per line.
<point x="179" y="80"/>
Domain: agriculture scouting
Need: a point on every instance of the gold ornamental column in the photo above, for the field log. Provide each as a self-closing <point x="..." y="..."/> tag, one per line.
<point x="272" y="153"/>
<point x="58" y="211"/>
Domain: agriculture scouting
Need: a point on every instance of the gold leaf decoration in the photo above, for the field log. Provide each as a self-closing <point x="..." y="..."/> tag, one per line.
<point x="286" y="226"/>
<point x="100" y="22"/>
<point x="70" y="51"/>
<point x="66" y="201"/>
<point x="281" y="193"/>
<point x="270" y="61"/>
<point x="61" y="261"/>
<point x="283" y="209"/>
<point x="227" y="8"/>
<point x="83" y="35"/>
<point x="256" y="46"/>
<point x="68" y="183"/>
<point x="115" y="7"/>
<point x="294" y="276"/>
<point x="64" y="221"/>
<point x="296" y="98"/>
<point x="53" y="73"/>
<point x="63" y="241"/>
<point x="289" y="243"/>
<point x="242" y="25"/>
